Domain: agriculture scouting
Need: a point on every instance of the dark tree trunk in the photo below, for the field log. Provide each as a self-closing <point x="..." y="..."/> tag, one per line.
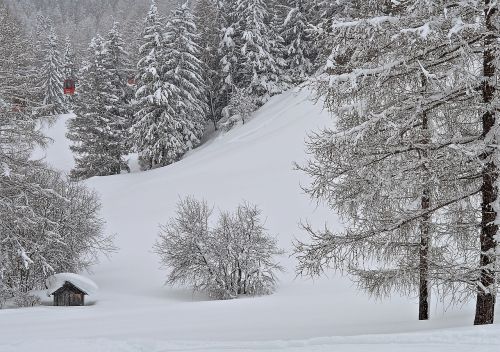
<point x="425" y="234"/>
<point x="424" y="294"/>
<point x="485" y="303"/>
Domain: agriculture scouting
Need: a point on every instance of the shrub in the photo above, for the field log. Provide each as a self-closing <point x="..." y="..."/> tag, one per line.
<point x="236" y="257"/>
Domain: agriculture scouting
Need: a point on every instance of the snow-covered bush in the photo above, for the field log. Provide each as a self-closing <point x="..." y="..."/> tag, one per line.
<point x="236" y="257"/>
<point x="26" y="299"/>
<point x="241" y="106"/>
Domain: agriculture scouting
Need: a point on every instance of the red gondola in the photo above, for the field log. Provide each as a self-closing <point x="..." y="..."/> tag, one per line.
<point x="69" y="86"/>
<point x="131" y="81"/>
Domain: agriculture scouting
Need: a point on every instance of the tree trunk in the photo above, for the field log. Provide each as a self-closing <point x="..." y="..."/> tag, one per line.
<point x="424" y="294"/>
<point x="485" y="303"/>
<point x="425" y="236"/>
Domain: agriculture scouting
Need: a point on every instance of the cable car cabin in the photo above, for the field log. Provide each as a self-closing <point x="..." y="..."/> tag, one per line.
<point x="69" y="86"/>
<point x="131" y="81"/>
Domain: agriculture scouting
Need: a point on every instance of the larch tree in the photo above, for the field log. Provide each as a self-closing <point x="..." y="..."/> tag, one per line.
<point x="412" y="156"/>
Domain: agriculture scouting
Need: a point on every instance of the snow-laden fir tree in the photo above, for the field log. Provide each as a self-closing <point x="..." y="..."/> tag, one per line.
<point x="96" y="131"/>
<point x="119" y="93"/>
<point x="18" y="70"/>
<point x="52" y="77"/>
<point x="412" y="156"/>
<point x="251" y="50"/>
<point x="296" y="31"/>
<point x="228" y="50"/>
<point x="183" y="69"/>
<point x="208" y="22"/>
<point x="69" y="67"/>
<point x="156" y="133"/>
<point x="257" y="68"/>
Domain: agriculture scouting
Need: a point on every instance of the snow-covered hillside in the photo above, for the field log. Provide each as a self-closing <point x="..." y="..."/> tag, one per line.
<point x="134" y="311"/>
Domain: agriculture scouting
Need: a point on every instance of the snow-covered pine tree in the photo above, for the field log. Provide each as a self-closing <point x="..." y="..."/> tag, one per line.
<point x="257" y="68"/>
<point x="228" y="50"/>
<point x="251" y="50"/>
<point x="412" y="151"/>
<point x="299" y="48"/>
<point x="97" y="146"/>
<point x="208" y="22"/>
<point x="156" y="133"/>
<point x="184" y="69"/>
<point x="118" y="93"/>
<point x="52" y="77"/>
<point x="69" y="67"/>
<point x="18" y="69"/>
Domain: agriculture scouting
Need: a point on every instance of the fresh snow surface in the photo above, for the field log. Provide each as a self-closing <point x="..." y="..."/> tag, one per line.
<point x="55" y="282"/>
<point x="254" y="162"/>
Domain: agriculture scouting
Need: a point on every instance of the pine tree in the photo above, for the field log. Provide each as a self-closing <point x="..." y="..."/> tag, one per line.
<point x="183" y="69"/>
<point x="156" y="132"/>
<point x="96" y="143"/>
<point x="52" y="77"/>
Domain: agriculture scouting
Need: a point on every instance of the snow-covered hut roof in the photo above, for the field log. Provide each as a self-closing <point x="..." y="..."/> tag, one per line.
<point x="55" y="282"/>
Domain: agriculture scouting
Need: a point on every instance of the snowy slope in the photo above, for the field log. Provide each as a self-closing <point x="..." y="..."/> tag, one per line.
<point x="135" y="312"/>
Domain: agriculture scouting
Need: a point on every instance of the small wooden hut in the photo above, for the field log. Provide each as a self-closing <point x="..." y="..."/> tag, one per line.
<point x="69" y="295"/>
<point x="69" y="289"/>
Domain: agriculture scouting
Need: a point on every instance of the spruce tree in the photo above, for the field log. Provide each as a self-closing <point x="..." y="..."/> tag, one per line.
<point x="184" y="69"/>
<point x="97" y="142"/>
<point x="118" y="93"/>
<point x="69" y="68"/>
<point x="52" y="77"/>
<point x="208" y="21"/>
<point x="296" y="31"/>
<point x="257" y="68"/>
<point x="156" y="132"/>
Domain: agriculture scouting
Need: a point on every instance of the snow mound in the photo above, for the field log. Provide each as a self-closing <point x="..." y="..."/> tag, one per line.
<point x="55" y="282"/>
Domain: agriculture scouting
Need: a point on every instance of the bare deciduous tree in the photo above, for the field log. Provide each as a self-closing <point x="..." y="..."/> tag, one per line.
<point x="236" y="257"/>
